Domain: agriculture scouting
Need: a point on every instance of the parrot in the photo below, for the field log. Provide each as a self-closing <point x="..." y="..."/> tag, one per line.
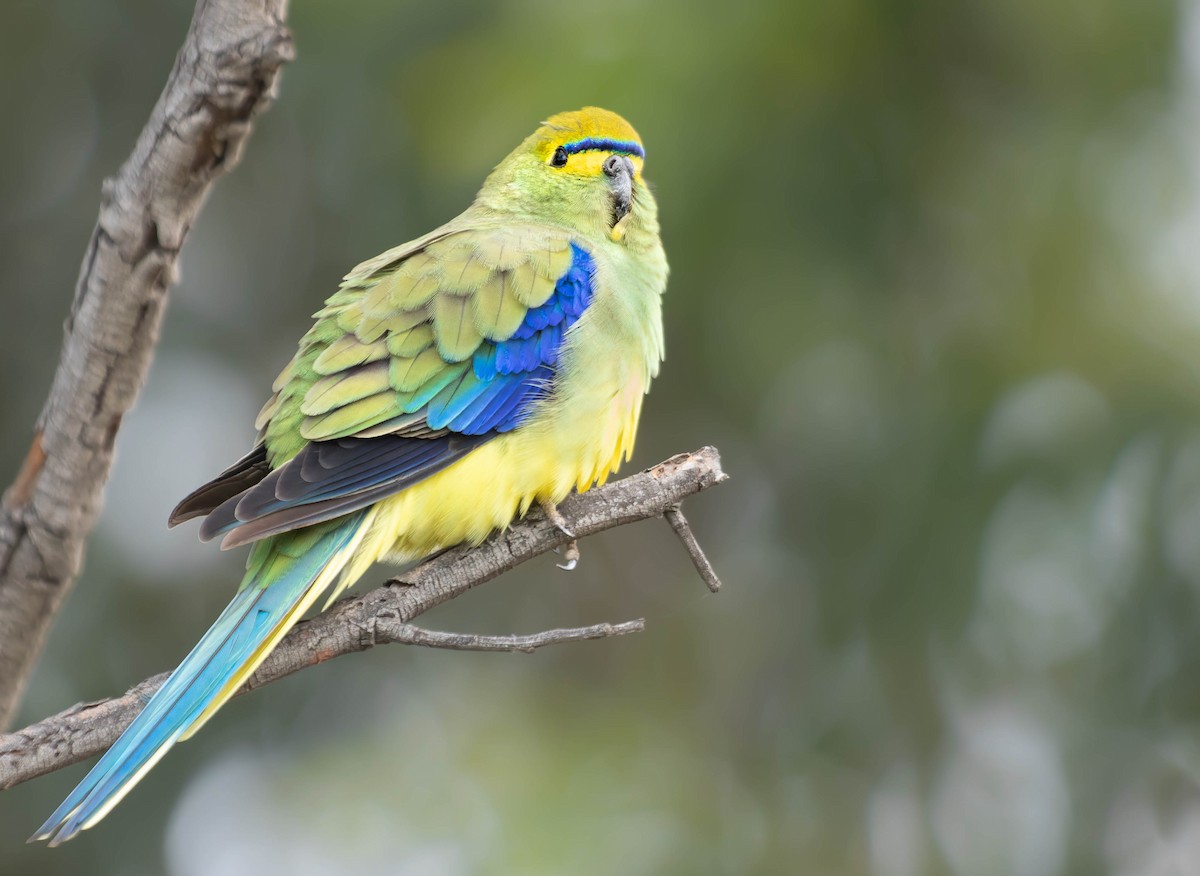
<point x="448" y="385"/>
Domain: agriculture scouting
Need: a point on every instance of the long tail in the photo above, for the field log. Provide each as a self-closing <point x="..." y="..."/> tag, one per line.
<point x="284" y="576"/>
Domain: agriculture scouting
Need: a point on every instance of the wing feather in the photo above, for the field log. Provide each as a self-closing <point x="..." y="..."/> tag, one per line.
<point x="418" y="359"/>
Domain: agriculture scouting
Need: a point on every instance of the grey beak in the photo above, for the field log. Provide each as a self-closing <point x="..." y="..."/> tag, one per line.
<point x="619" y="171"/>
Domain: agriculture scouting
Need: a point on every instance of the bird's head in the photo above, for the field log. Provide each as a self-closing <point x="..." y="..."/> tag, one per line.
<point x="582" y="169"/>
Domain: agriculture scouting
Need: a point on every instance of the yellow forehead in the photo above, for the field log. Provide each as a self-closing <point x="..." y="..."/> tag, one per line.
<point x="591" y="121"/>
<point x="588" y="124"/>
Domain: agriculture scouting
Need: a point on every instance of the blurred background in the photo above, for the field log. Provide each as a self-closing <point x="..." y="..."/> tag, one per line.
<point x="935" y="295"/>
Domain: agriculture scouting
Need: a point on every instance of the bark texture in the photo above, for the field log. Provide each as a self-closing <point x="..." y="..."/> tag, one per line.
<point x="382" y="615"/>
<point x="224" y="75"/>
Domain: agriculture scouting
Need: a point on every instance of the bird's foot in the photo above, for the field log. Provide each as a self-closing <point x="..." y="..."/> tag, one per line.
<point x="571" y="555"/>
<point x="570" y="551"/>
<point x="553" y="515"/>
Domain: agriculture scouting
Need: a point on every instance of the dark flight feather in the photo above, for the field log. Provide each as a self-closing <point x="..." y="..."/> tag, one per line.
<point x="236" y="479"/>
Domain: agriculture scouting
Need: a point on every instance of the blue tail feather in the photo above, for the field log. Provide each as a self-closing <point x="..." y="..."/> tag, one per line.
<point x="275" y="583"/>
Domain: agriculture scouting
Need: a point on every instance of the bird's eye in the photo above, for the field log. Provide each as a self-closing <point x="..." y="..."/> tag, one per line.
<point x="559" y="158"/>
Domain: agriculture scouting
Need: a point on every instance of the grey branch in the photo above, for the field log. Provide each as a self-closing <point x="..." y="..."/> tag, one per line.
<point x="390" y="630"/>
<point x="683" y="529"/>
<point x="223" y="76"/>
<point x="384" y="614"/>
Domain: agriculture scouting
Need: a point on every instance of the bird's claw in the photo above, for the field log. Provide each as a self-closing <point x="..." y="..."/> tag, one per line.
<point x="571" y="555"/>
<point x="571" y="552"/>
<point x="555" y="517"/>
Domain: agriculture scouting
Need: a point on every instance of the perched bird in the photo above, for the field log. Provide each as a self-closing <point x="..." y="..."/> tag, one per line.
<point x="447" y="386"/>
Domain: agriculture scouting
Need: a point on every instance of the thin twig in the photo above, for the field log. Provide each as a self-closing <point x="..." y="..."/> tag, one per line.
<point x="679" y="523"/>
<point x="394" y="630"/>
<point x="355" y="623"/>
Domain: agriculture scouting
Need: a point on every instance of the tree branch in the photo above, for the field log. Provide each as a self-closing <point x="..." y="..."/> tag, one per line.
<point x="223" y="76"/>
<point x="389" y="630"/>
<point x="382" y="615"/>
<point x="683" y="529"/>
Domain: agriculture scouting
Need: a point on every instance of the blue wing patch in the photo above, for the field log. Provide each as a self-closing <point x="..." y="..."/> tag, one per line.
<point x="508" y="376"/>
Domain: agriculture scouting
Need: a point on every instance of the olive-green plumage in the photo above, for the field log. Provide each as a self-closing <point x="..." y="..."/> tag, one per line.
<point x="398" y="334"/>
